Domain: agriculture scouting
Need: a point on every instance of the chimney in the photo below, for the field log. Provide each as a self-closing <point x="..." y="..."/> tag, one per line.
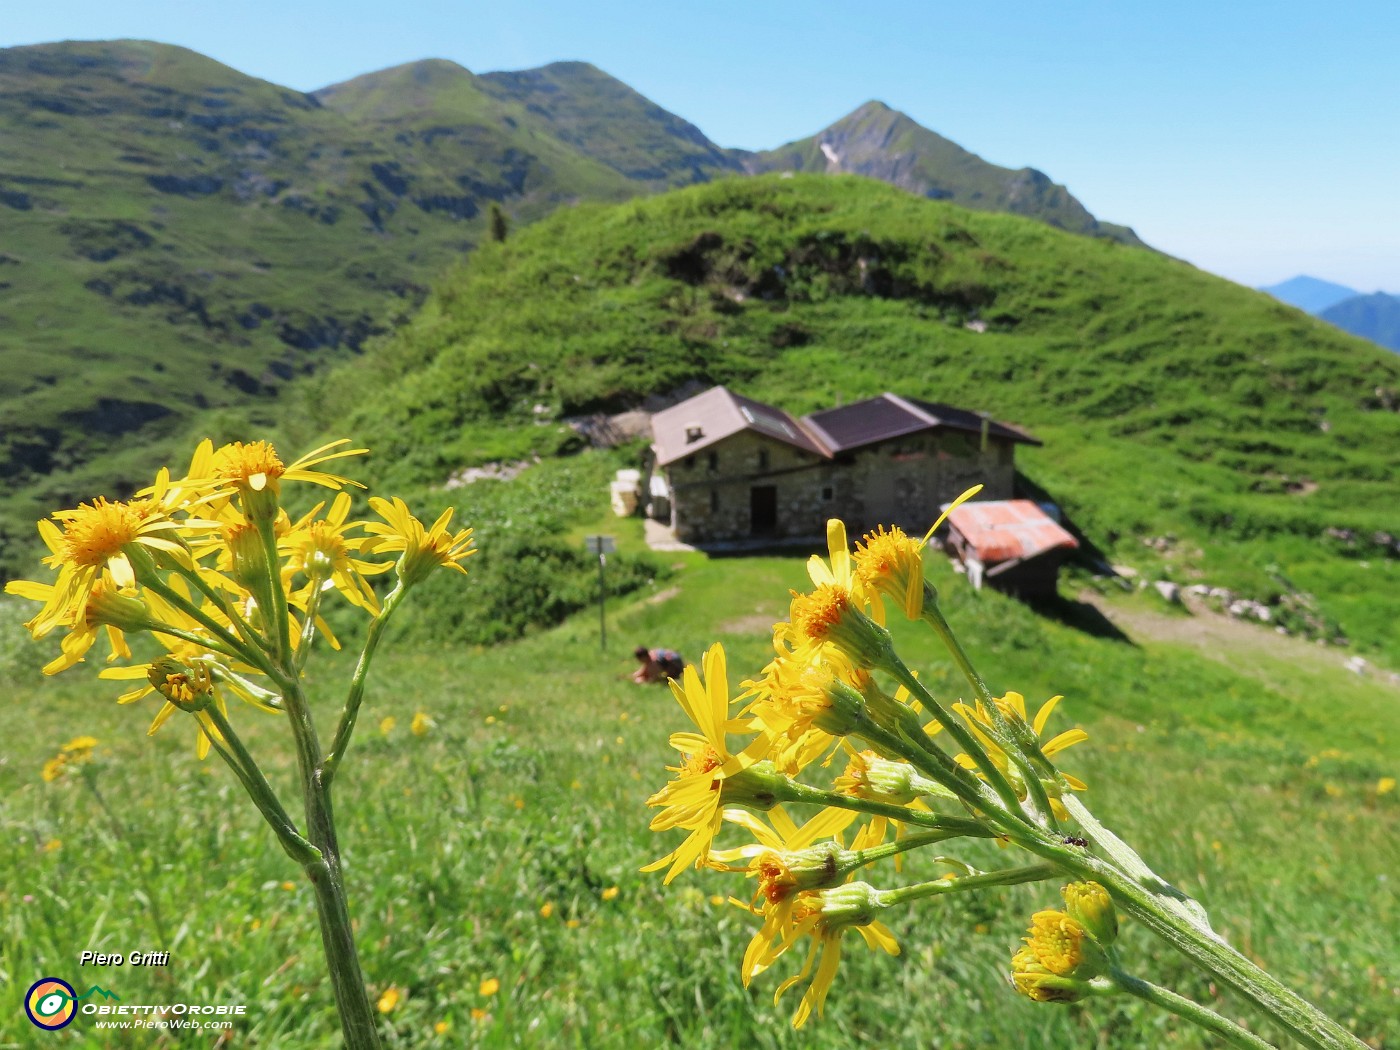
<point x="693" y="433"/>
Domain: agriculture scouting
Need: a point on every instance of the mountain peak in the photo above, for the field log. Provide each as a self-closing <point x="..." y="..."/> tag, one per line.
<point x="883" y="143"/>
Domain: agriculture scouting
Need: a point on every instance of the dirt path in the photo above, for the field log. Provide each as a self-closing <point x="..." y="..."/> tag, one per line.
<point x="1220" y="636"/>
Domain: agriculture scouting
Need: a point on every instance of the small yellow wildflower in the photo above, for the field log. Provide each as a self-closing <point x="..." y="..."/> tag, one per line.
<point x="478" y="1014"/>
<point x="421" y="724"/>
<point x="289" y="886"/>
<point x="52" y="845"/>
<point x="442" y="1028"/>
<point x="1385" y="785"/>
<point x="490" y="986"/>
<point x="423" y="550"/>
<point x="692" y="800"/>
<point x="610" y="894"/>
<point x="387" y="723"/>
<point x="546" y="909"/>
<point x="389" y="1000"/>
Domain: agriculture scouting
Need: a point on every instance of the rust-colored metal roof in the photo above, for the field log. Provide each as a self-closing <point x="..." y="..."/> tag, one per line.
<point x="890" y="416"/>
<point x="710" y="417"/>
<point x="1000" y="530"/>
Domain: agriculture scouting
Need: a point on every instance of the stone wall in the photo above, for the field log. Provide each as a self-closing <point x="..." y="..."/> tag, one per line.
<point x="899" y="482"/>
<point x="712" y="491"/>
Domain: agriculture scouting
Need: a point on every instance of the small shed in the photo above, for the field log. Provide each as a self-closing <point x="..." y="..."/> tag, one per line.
<point x="1010" y="545"/>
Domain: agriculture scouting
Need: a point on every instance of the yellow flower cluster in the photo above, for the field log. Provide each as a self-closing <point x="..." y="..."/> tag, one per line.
<point x="827" y="685"/>
<point x="215" y="568"/>
<point x="72" y="755"/>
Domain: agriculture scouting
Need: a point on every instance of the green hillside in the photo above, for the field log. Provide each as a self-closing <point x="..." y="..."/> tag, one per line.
<point x="1228" y="430"/>
<point x="884" y="144"/>
<point x="178" y="238"/>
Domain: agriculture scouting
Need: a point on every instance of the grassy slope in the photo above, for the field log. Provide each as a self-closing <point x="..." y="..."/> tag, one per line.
<point x="530" y="791"/>
<point x="1170" y="401"/>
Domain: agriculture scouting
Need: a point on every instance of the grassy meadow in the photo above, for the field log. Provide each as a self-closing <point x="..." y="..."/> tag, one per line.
<point x="504" y="843"/>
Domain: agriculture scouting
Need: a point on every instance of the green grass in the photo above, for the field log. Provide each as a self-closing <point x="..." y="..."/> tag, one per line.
<point x="1254" y="790"/>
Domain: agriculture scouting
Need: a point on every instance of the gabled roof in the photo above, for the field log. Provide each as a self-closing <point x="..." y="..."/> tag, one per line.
<point x="717" y="414"/>
<point x="1002" y="530"/>
<point x="891" y="416"/>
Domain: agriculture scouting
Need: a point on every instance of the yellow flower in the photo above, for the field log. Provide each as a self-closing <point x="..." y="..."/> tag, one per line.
<point x="610" y="894"/>
<point x="1063" y="946"/>
<point x="318" y="548"/>
<point x="692" y="800"/>
<point x="1013" y="706"/>
<point x="1385" y="785"/>
<point x="546" y="909"/>
<point x="442" y="1028"/>
<point x="74" y="753"/>
<point x="389" y="1000"/>
<point x="424" y="550"/>
<point x="825" y="916"/>
<point x="421" y="724"/>
<point x="52" y="845"/>
<point x="833" y="614"/>
<point x="891" y="563"/>
<point x="490" y="986"/>
<point x="102" y="535"/>
<point x="256" y="467"/>
<point x="386" y="725"/>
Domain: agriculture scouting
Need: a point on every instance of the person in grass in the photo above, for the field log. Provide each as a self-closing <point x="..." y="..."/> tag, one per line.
<point x="657" y="665"/>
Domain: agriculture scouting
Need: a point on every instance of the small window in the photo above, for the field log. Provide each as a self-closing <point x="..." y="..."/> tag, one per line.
<point x="827" y="494"/>
<point x="763" y="459"/>
<point x="689" y="462"/>
<point x="714" y="501"/>
<point x="714" y="460"/>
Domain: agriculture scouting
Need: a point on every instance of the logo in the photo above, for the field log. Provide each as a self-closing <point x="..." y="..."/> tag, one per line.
<point x="51" y="1004"/>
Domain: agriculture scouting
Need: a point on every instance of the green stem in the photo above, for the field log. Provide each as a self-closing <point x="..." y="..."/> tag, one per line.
<point x="246" y="768"/>
<point x="356" y="694"/>
<point x="308" y="627"/>
<point x="1192" y="1011"/>
<point x="933" y="616"/>
<point x="1004" y="877"/>
<point x="952" y="827"/>
<point x="231" y="646"/>
<point x="278" y="622"/>
<point x="245" y="631"/>
<point x="959" y="732"/>
<point x="357" y="1018"/>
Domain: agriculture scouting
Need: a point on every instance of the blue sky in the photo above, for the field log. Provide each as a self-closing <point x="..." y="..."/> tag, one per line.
<point x="1256" y="140"/>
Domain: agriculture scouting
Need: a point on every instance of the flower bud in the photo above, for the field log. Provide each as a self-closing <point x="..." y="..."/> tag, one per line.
<point x="188" y="688"/>
<point x="1037" y="983"/>
<point x="1089" y="904"/>
<point x="851" y="904"/>
<point x="107" y="607"/>
<point x="758" y="787"/>
<point x="1064" y="947"/>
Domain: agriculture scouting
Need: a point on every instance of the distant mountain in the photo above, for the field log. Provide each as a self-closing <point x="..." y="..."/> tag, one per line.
<point x="605" y="119"/>
<point x="884" y="144"/>
<point x="1375" y="317"/>
<point x="1309" y="293"/>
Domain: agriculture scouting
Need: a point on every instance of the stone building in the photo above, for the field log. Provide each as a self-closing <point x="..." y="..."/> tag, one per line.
<point x="735" y="469"/>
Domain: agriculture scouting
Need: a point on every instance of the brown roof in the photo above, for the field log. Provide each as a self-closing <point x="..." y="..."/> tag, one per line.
<point x="1002" y="530"/>
<point x="889" y="416"/>
<point x="717" y="414"/>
